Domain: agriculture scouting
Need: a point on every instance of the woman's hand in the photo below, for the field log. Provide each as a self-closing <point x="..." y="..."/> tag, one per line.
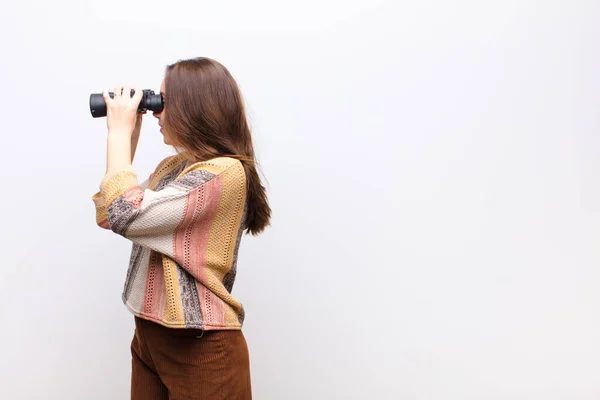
<point x="123" y="123"/>
<point x="121" y="111"/>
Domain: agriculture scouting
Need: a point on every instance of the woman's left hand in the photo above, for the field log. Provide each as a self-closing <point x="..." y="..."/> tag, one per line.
<point x="121" y="111"/>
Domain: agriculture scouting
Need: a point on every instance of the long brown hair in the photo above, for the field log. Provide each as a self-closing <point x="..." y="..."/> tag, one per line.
<point x="206" y="118"/>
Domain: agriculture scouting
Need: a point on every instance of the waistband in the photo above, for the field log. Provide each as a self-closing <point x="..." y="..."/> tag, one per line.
<point x="148" y="325"/>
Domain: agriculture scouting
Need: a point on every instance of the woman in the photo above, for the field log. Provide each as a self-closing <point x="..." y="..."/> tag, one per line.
<point x="185" y="223"/>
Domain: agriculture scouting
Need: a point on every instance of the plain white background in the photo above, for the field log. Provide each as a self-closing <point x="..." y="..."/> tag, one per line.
<point x="433" y="171"/>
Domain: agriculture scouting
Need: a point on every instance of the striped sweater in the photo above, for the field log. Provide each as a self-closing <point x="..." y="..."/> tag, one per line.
<point x="185" y="223"/>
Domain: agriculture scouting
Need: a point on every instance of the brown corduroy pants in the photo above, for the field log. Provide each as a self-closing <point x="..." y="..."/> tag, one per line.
<point x="188" y="364"/>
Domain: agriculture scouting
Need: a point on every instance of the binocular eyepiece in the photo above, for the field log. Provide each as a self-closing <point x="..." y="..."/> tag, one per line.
<point x="150" y="102"/>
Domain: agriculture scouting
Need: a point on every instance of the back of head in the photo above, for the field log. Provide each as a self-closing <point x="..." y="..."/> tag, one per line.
<point x="206" y="118"/>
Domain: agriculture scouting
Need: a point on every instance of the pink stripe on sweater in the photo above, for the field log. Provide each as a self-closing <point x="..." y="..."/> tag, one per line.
<point x="135" y="195"/>
<point x="191" y="242"/>
<point x="191" y="236"/>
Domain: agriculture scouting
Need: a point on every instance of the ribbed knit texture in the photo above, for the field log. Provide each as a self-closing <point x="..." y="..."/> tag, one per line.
<point x="185" y="224"/>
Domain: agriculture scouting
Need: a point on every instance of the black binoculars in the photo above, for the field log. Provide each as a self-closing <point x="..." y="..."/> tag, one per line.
<point x="150" y="102"/>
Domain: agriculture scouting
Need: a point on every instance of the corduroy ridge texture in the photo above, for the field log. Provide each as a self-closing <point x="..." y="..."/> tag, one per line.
<point x="188" y="364"/>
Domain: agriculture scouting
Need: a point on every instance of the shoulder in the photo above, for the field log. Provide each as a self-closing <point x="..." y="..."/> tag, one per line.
<point x="229" y="169"/>
<point x="218" y="165"/>
<point x="224" y="172"/>
<point x="167" y="166"/>
<point x="169" y="163"/>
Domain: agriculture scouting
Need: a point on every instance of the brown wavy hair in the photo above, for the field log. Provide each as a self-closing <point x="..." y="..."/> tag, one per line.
<point x="206" y="119"/>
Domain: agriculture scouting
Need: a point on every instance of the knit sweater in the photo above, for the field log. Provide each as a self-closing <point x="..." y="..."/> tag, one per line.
<point x="185" y="223"/>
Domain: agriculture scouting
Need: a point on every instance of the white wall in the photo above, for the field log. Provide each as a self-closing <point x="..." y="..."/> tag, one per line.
<point x="433" y="170"/>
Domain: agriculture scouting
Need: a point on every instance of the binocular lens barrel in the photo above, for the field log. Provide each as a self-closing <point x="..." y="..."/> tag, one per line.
<point x="150" y="102"/>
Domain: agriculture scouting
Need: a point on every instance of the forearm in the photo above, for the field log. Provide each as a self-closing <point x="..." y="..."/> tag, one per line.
<point x="134" y="142"/>
<point x="119" y="151"/>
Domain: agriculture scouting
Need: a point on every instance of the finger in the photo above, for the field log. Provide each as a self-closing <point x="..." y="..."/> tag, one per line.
<point x="126" y="92"/>
<point x="107" y="98"/>
<point x="139" y="93"/>
<point x="118" y="91"/>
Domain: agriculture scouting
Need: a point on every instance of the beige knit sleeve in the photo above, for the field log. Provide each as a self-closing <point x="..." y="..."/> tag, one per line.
<point x="198" y="200"/>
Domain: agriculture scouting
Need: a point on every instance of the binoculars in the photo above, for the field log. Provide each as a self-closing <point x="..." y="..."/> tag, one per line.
<point x="150" y="102"/>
